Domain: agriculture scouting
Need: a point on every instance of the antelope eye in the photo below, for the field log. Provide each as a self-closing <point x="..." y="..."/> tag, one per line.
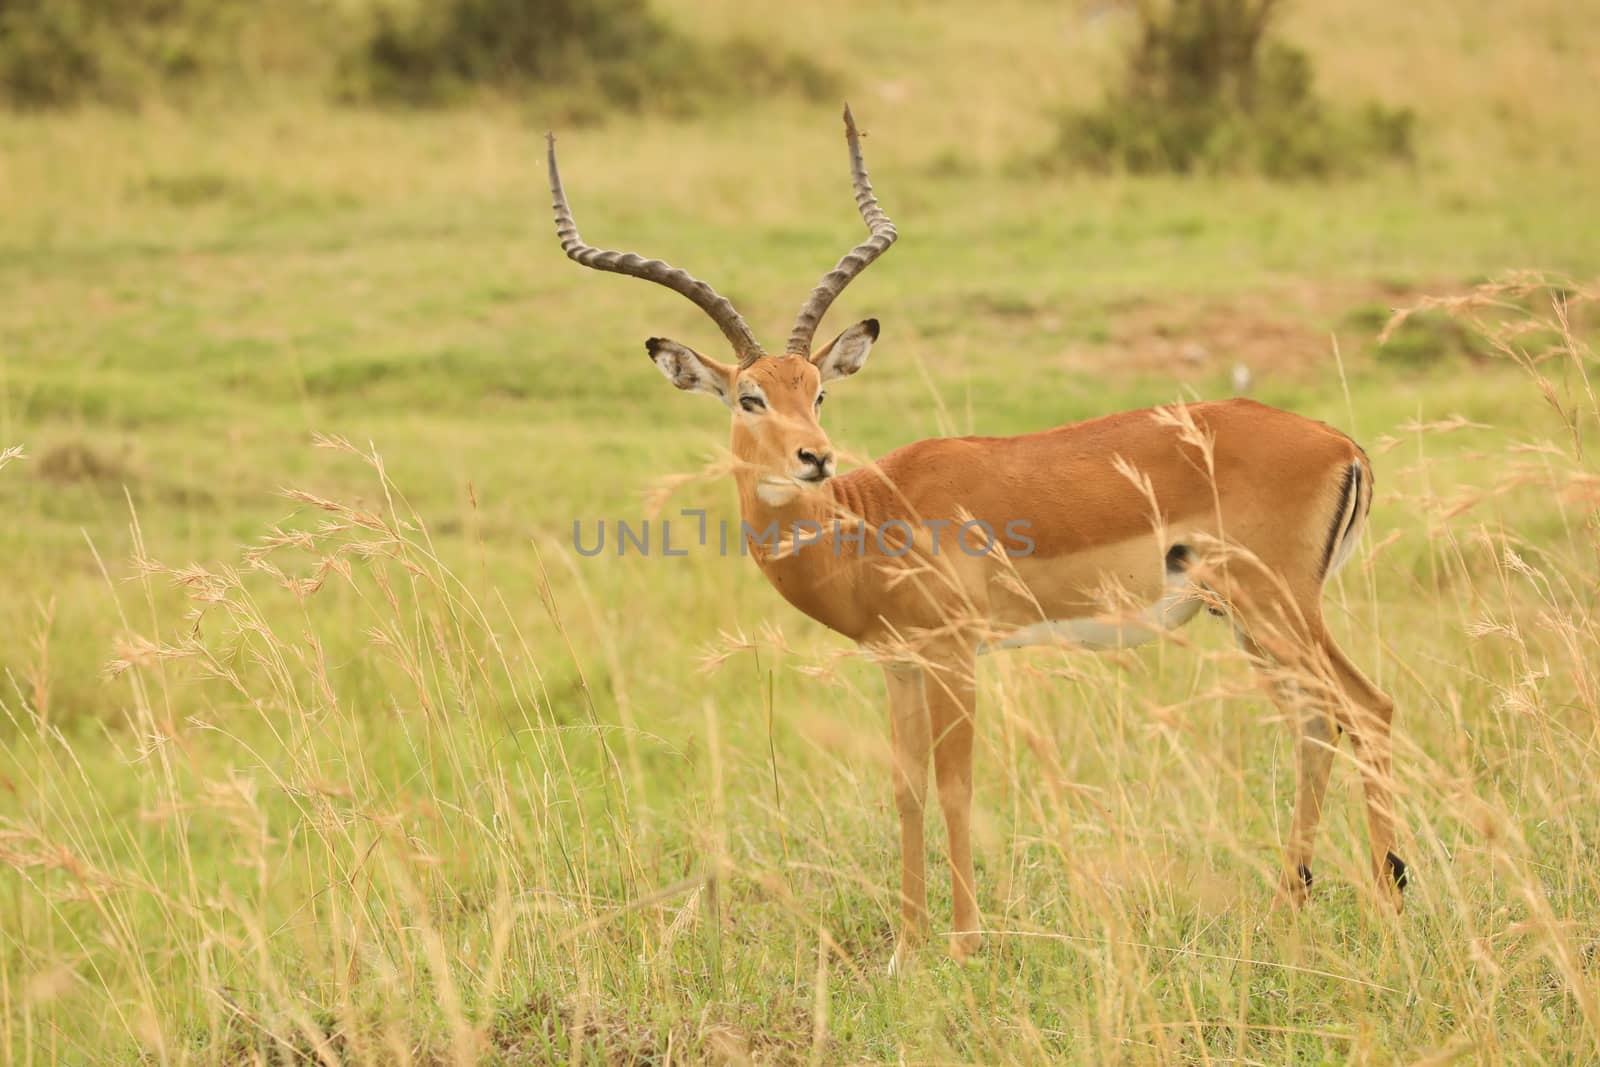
<point x="820" y="398"/>
<point x="753" y="404"/>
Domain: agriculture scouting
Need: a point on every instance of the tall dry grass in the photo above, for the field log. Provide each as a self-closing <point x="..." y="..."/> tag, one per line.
<point x="443" y="843"/>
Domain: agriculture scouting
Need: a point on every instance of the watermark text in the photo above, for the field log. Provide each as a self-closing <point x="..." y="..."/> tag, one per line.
<point x="841" y="537"/>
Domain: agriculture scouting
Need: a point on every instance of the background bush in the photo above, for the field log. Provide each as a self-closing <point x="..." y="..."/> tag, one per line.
<point x="1206" y="88"/>
<point x="60" y="52"/>
<point x="598" y="53"/>
<point x="609" y="52"/>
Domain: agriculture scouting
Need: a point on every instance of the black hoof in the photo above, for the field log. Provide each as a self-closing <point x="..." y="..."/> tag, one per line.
<point x="1397" y="870"/>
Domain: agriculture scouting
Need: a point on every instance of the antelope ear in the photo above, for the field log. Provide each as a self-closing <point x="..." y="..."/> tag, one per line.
<point x="844" y="355"/>
<point x="690" y="371"/>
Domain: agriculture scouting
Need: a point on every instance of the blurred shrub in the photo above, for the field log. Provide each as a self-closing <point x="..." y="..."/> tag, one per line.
<point x="1206" y="88"/>
<point x="609" y="52"/>
<point x="60" y="52"/>
<point x="597" y="54"/>
<point x="1424" y="339"/>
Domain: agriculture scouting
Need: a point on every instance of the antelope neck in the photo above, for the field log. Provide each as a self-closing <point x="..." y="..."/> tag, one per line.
<point x="819" y="579"/>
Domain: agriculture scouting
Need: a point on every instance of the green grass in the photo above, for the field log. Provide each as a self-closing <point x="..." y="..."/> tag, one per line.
<point x="479" y="797"/>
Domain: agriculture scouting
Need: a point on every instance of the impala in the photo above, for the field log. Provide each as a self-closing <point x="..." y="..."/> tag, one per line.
<point x="1134" y="521"/>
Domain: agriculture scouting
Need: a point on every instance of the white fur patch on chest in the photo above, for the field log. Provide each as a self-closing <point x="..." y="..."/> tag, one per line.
<point x="776" y="492"/>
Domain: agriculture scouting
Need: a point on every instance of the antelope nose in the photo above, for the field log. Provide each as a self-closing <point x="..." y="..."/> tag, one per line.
<point x="822" y="462"/>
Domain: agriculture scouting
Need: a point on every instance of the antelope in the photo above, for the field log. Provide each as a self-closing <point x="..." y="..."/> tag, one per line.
<point x="1133" y="523"/>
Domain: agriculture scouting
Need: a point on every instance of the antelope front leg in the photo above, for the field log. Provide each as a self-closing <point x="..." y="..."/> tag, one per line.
<point x="952" y="701"/>
<point x="909" y="732"/>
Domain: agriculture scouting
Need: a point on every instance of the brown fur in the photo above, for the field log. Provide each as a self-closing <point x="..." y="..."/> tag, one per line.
<point x="1277" y="477"/>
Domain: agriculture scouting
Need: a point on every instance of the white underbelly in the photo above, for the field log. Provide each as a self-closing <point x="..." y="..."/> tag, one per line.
<point x="1101" y="633"/>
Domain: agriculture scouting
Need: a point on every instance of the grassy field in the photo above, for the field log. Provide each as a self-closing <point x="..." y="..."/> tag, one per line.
<point x="319" y="743"/>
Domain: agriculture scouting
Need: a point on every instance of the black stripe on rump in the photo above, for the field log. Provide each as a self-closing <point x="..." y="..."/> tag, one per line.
<point x="1341" y="521"/>
<point x="1357" y="504"/>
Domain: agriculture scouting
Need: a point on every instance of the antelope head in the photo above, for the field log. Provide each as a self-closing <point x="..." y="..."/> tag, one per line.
<point x="775" y="402"/>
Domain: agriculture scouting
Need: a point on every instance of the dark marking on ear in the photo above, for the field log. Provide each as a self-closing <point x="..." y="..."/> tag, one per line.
<point x="1397" y="870"/>
<point x="676" y="363"/>
<point x="674" y="367"/>
<point x="872" y="327"/>
<point x="1306" y="876"/>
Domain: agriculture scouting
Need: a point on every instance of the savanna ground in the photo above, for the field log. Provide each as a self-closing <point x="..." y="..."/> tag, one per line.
<point x="308" y="755"/>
